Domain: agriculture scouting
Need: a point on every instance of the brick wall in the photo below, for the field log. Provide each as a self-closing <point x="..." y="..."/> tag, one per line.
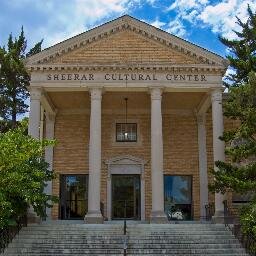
<point x="71" y="151"/>
<point x="124" y="47"/>
<point x="179" y="141"/>
<point x="180" y="149"/>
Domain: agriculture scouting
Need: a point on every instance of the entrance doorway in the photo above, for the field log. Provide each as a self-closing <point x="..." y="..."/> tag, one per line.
<point x="73" y="196"/>
<point x="126" y="199"/>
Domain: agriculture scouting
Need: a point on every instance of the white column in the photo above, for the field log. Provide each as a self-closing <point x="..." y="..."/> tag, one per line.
<point x="49" y="134"/>
<point x="218" y="145"/>
<point x="34" y="113"/>
<point x="202" y="159"/>
<point x="94" y="214"/>
<point x="157" y="214"/>
<point x="34" y="131"/>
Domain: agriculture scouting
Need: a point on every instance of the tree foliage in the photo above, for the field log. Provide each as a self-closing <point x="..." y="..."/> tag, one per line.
<point x="23" y="175"/>
<point x="242" y="50"/>
<point x="14" y="78"/>
<point x="238" y="174"/>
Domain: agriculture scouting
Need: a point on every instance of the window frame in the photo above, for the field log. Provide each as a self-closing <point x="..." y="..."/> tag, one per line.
<point x="63" y="195"/>
<point x="191" y="191"/>
<point x="126" y="141"/>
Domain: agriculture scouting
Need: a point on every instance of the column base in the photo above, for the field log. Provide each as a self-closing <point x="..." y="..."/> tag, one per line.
<point x="218" y="217"/>
<point x="158" y="217"/>
<point x="93" y="218"/>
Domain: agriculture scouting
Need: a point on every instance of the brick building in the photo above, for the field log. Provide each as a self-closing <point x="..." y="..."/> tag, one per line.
<point x="136" y="113"/>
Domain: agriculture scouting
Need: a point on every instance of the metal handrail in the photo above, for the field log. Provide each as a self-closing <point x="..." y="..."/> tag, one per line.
<point x="9" y="232"/>
<point x="247" y="240"/>
<point x="209" y="211"/>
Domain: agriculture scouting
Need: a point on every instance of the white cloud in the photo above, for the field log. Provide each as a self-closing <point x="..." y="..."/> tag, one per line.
<point x="220" y="17"/>
<point x="176" y="28"/>
<point x="151" y="2"/>
<point x="98" y="9"/>
<point x="157" y="23"/>
<point x="186" y="10"/>
<point x="65" y="19"/>
<point x="184" y="5"/>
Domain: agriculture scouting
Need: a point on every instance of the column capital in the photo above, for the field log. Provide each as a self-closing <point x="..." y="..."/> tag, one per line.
<point x="216" y="95"/>
<point x="96" y="93"/>
<point x="156" y="93"/>
<point x="35" y="93"/>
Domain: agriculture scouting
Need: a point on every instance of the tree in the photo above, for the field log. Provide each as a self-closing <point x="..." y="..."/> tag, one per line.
<point x="238" y="174"/>
<point x="23" y="175"/>
<point x="14" y="78"/>
<point x="243" y="50"/>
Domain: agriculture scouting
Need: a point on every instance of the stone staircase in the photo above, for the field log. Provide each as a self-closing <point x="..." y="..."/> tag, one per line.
<point x="182" y="239"/>
<point x="108" y="239"/>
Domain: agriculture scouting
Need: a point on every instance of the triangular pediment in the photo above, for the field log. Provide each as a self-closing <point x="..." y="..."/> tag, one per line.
<point x="125" y="42"/>
<point x="124" y="47"/>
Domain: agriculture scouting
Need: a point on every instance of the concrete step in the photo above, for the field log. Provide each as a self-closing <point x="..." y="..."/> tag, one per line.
<point x="140" y="235"/>
<point x="142" y="239"/>
<point x="133" y="246"/>
<point x="189" y="254"/>
<point x="66" y="254"/>
<point x="186" y="251"/>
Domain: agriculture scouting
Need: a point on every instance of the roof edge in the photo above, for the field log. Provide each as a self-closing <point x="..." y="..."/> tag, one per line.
<point x="127" y="22"/>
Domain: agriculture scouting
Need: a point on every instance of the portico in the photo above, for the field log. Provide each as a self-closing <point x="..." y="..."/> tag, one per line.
<point x="171" y="87"/>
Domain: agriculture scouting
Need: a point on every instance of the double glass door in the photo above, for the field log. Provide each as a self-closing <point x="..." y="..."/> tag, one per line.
<point x="73" y="196"/>
<point x="125" y="197"/>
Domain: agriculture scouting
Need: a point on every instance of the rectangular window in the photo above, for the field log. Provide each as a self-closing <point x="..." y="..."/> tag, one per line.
<point x="73" y="196"/>
<point x="126" y="132"/>
<point x="178" y="197"/>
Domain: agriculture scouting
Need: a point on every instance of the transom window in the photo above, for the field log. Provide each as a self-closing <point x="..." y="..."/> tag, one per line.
<point x="126" y="132"/>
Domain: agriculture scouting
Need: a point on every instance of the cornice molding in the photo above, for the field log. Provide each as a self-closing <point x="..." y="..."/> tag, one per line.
<point x="42" y="59"/>
<point x="132" y="67"/>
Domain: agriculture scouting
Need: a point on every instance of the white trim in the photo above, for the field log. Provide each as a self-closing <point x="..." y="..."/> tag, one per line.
<point x="48" y="104"/>
<point x="138" y="169"/>
<point x="204" y="105"/>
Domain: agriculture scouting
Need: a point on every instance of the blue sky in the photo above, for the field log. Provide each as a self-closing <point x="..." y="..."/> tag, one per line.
<point x="198" y="21"/>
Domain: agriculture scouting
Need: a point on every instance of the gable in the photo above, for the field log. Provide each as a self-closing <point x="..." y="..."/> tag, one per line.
<point x="124" y="47"/>
<point x="128" y="43"/>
